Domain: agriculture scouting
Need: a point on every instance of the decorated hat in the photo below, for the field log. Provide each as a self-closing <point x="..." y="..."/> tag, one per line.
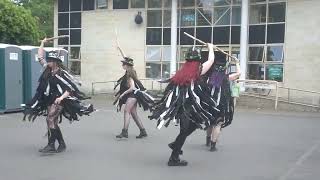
<point x="220" y="58"/>
<point x="127" y="61"/>
<point x="53" y="56"/>
<point x="193" y="54"/>
<point x="220" y="61"/>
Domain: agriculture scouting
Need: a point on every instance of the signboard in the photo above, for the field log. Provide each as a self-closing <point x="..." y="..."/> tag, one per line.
<point x="275" y="72"/>
<point x="13" y="56"/>
<point x="36" y="57"/>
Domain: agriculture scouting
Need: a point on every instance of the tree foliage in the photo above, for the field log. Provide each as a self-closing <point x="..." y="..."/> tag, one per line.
<point x="17" y="25"/>
<point x="42" y="10"/>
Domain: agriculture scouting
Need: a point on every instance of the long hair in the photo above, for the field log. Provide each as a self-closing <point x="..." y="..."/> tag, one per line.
<point x="60" y="65"/>
<point x="189" y="72"/>
<point x="131" y="73"/>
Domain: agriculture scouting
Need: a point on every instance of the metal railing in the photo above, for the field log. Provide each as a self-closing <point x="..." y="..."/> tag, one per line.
<point x="301" y="97"/>
<point x="262" y="84"/>
<point x="282" y="94"/>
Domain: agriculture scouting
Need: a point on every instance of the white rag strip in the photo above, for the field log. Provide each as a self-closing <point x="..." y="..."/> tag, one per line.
<point x="64" y="81"/>
<point x="169" y="100"/>
<point x="34" y="105"/>
<point x="60" y="89"/>
<point x="47" y="90"/>
<point x="160" y="124"/>
<point x="219" y="96"/>
<point x="148" y="95"/>
<point x="69" y="76"/>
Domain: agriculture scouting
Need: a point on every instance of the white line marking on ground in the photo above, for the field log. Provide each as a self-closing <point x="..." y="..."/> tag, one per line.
<point x="299" y="162"/>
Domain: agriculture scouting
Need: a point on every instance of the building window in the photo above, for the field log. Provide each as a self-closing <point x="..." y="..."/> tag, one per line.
<point x="166" y="36"/>
<point x="154" y="18"/>
<point x="235" y="34"/>
<point x="221" y="35"/>
<point x="102" y="4"/>
<point x="63" y="41"/>
<point x="154" y="3"/>
<point x="69" y="23"/>
<point x="276" y="33"/>
<point x="277" y="12"/>
<point x="187" y="3"/>
<point x="75" y="67"/>
<point x="256" y="53"/>
<point x="204" y="17"/>
<point x="154" y="36"/>
<point x="257" y="34"/>
<point x="266" y="39"/>
<point x="120" y="4"/>
<point x="75" y="52"/>
<point x="63" y="5"/>
<point x="258" y="14"/>
<point x="216" y="21"/>
<point x="137" y="3"/>
<point x="75" y="36"/>
<point x="204" y="33"/>
<point x="88" y="5"/>
<point x="188" y="17"/>
<point x="75" y="20"/>
<point x="275" y="53"/>
<point x="63" y="20"/>
<point x="185" y="40"/>
<point x="75" y="5"/>
<point x="236" y="15"/>
<point x="221" y="15"/>
<point x="221" y="2"/>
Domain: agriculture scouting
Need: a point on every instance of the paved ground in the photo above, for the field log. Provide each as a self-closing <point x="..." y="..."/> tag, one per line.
<point x="258" y="146"/>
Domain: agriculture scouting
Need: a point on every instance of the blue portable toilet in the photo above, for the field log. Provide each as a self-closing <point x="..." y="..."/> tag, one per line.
<point x="11" y="91"/>
<point x="31" y="71"/>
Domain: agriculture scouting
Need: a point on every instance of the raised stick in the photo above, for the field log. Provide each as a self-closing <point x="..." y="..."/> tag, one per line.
<point x="118" y="44"/>
<point x="192" y="37"/>
<point x="56" y="37"/>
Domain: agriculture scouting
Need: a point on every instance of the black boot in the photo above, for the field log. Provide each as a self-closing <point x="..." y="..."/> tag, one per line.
<point x="213" y="146"/>
<point x="50" y="148"/>
<point x="142" y="134"/>
<point x="208" y="139"/>
<point x="123" y="134"/>
<point x="172" y="146"/>
<point x="62" y="145"/>
<point x="174" y="160"/>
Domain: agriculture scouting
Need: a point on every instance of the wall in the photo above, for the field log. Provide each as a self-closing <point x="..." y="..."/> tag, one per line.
<point x="302" y="57"/>
<point x="99" y="56"/>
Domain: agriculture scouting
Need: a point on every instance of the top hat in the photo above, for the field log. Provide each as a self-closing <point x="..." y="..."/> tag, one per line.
<point x="53" y="56"/>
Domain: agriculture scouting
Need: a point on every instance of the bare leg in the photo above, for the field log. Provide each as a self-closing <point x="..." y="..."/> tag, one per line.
<point x="215" y="135"/>
<point x="127" y="111"/>
<point x="208" y="138"/>
<point x="135" y="116"/>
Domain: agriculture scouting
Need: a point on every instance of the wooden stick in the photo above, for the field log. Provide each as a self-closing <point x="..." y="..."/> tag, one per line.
<point x="56" y="37"/>
<point x="117" y="41"/>
<point x="192" y="37"/>
<point x="118" y="44"/>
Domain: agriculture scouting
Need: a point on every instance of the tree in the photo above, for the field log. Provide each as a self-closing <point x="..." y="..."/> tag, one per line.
<point x="42" y="10"/>
<point x="17" y="25"/>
